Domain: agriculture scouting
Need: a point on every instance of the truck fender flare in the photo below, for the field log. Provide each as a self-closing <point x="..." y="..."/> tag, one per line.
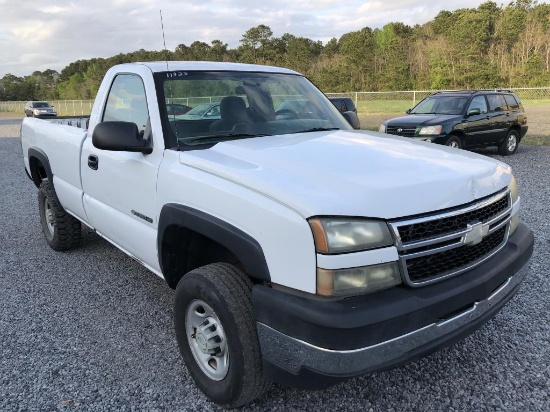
<point x="43" y="159"/>
<point x="242" y="245"/>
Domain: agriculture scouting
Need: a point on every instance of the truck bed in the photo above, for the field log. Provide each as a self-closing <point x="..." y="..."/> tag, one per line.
<point x="76" y="121"/>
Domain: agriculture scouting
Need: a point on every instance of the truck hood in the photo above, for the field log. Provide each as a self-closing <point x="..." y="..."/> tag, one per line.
<point x="421" y="119"/>
<point x="353" y="173"/>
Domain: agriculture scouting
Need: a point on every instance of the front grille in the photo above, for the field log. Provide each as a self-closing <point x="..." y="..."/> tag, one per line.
<point x="401" y="131"/>
<point x="437" y="227"/>
<point x="438" y="246"/>
<point x="427" y="267"/>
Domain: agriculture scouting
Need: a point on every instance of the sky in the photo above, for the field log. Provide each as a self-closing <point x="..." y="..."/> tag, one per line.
<point x="50" y="34"/>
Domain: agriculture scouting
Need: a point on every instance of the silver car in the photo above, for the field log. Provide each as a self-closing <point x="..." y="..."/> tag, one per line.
<point x="202" y="111"/>
<point x="36" y="109"/>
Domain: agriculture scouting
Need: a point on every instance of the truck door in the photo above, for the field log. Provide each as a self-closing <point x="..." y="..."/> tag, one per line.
<point x="119" y="186"/>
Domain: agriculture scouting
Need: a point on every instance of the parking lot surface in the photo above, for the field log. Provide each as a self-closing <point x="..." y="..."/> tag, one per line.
<point x="91" y="329"/>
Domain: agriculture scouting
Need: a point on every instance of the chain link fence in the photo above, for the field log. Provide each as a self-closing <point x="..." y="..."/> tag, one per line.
<point x="400" y="101"/>
<point x="63" y="107"/>
<point x="366" y="102"/>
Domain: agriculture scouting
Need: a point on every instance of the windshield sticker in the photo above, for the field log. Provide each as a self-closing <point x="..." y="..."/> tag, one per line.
<point x="176" y="74"/>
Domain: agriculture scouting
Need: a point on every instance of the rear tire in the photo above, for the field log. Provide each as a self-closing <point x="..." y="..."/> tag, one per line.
<point x="510" y="144"/>
<point x="216" y="334"/>
<point x="62" y="231"/>
<point x="454" y="141"/>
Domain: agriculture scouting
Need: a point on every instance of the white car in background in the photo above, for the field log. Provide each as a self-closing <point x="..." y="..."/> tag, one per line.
<point x="35" y="109"/>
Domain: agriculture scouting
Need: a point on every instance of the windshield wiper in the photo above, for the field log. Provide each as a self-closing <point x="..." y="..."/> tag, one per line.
<point x="222" y="137"/>
<point x="319" y="129"/>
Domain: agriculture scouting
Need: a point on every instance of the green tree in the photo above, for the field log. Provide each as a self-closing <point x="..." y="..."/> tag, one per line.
<point x="392" y="64"/>
<point x="218" y="51"/>
<point x="256" y="44"/>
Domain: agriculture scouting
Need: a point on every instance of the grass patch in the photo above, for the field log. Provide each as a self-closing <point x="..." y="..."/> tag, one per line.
<point x="536" y="140"/>
<point x="384" y="107"/>
<point x="535" y="102"/>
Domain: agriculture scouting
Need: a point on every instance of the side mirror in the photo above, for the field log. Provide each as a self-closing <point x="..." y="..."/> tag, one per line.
<point x="120" y="137"/>
<point x="408" y="111"/>
<point x="474" y="112"/>
<point x="352" y="119"/>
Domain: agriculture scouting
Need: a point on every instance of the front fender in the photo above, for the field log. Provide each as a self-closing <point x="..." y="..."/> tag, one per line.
<point x="240" y="244"/>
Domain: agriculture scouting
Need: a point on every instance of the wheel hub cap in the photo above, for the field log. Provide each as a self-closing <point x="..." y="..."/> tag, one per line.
<point x="49" y="217"/>
<point x="511" y="143"/>
<point x="48" y="214"/>
<point x="207" y="337"/>
<point x="207" y="340"/>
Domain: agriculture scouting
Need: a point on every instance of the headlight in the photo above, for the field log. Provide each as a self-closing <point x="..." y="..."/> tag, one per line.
<point x="353" y="281"/>
<point x="514" y="221"/>
<point x="382" y="128"/>
<point x="429" y="130"/>
<point x="342" y="235"/>
<point x="513" y="186"/>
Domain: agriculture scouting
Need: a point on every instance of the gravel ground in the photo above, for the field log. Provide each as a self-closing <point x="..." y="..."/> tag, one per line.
<point x="91" y="329"/>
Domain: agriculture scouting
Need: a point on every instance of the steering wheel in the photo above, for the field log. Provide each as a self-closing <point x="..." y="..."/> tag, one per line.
<point x="286" y="114"/>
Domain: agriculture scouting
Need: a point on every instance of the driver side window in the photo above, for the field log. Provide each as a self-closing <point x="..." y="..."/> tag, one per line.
<point x="480" y="103"/>
<point x="127" y="101"/>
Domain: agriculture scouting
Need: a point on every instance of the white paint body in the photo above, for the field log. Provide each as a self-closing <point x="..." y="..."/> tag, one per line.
<point x="267" y="187"/>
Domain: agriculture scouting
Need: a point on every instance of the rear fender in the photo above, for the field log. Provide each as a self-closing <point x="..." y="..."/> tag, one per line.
<point x="40" y="167"/>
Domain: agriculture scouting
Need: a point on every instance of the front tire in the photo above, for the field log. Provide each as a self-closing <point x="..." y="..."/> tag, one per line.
<point x="454" y="141"/>
<point x="62" y="231"/>
<point x="216" y="334"/>
<point x="510" y="144"/>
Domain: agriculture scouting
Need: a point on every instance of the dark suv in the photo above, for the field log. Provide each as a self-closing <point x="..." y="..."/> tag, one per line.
<point x="343" y="104"/>
<point x="465" y="119"/>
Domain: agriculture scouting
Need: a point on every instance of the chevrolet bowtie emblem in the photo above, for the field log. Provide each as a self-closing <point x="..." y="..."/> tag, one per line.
<point x="476" y="233"/>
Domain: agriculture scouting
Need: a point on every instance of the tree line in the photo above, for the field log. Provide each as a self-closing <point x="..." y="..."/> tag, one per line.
<point x="484" y="47"/>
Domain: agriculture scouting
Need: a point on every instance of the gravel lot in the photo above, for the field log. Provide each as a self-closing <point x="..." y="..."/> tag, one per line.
<point x="91" y="329"/>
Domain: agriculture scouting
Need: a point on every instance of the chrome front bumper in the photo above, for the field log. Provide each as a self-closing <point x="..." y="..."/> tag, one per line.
<point x="293" y="354"/>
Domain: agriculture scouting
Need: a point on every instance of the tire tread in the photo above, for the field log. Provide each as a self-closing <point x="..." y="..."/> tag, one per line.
<point x="236" y="289"/>
<point x="67" y="229"/>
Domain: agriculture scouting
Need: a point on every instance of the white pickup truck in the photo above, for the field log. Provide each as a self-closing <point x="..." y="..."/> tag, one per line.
<point x="302" y="251"/>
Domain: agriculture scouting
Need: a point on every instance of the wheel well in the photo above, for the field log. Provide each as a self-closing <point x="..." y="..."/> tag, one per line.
<point x="189" y="238"/>
<point x="517" y="129"/>
<point x="458" y="134"/>
<point x="38" y="171"/>
<point x="184" y="249"/>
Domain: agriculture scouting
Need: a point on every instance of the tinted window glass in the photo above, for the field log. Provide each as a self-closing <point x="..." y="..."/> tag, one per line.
<point x="478" y="102"/>
<point x="511" y="102"/>
<point x="496" y="102"/>
<point x="126" y="101"/>
<point x="441" y="105"/>
<point x="340" y="104"/>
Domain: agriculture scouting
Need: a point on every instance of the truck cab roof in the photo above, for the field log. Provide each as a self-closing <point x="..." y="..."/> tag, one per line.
<point x="168" y="66"/>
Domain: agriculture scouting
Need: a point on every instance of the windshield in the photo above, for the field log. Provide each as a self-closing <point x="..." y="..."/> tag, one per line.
<point x="234" y="105"/>
<point x="40" y="104"/>
<point x="441" y="105"/>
